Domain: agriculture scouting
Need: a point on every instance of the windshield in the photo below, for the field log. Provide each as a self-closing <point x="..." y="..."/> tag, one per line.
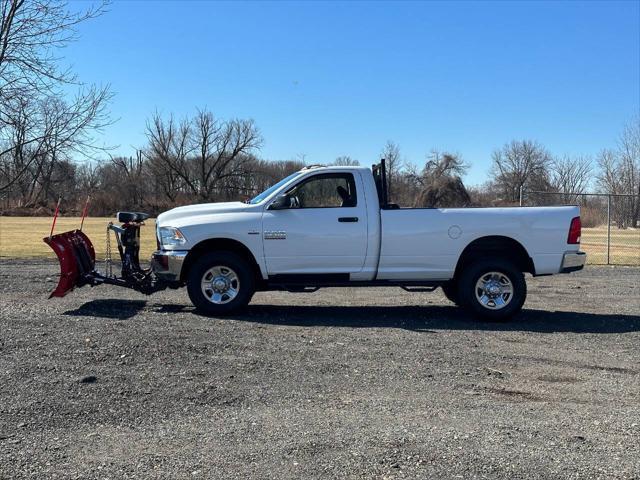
<point x="273" y="188"/>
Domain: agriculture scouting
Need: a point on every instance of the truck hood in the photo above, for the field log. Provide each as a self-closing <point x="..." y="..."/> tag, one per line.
<point x="179" y="216"/>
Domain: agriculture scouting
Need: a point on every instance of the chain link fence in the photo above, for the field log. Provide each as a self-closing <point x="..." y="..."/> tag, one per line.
<point x="610" y="223"/>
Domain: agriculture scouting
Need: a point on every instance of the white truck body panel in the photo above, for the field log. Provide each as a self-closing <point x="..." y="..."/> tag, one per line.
<point x="426" y="243"/>
<point x="232" y="220"/>
<point x="394" y="244"/>
<point x="314" y="241"/>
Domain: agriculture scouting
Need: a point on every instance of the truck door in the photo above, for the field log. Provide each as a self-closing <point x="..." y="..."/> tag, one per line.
<point x="323" y="229"/>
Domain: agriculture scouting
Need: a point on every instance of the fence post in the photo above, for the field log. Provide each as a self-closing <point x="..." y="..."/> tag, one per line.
<point x="521" y="194"/>
<point x="608" y="229"/>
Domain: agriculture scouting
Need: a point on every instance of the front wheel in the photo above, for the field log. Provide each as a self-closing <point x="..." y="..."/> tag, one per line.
<point x="220" y="283"/>
<point x="492" y="289"/>
<point x="450" y="290"/>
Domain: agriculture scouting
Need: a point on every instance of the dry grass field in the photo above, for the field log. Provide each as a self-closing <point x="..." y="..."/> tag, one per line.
<point x="624" y="250"/>
<point x="21" y="237"/>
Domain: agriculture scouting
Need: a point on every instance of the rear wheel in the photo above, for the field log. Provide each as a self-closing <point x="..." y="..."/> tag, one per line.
<point x="220" y="283"/>
<point x="492" y="289"/>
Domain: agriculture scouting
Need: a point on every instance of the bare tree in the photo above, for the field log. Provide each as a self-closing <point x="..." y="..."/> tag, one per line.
<point x="204" y="155"/>
<point x="629" y="148"/>
<point x="88" y="177"/>
<point x="619" y="173"/>
<point x="570" y="175"/>
<point x="520" y="164"/>
<point x="444" y="164"/>
<point x="223" y="150"/>
<point x="346" y="161"/>
<point x="391" y="154"/>
<point x="132" y="179"/>
<point x="264" y="173"/>
<point x="31" y="33"/>
<point x="39" y="126"/>
<point x="167" y="152"/>
<point x="441" y="182"/>
<point x="608" y="179"/>
<point x="38" y="134"/>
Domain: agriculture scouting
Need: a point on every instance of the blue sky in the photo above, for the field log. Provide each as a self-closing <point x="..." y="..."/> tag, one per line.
<point x="323" y="79"/>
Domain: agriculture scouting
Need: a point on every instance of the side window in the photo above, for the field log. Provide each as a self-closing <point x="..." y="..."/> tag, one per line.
<point x="329" y="190"/>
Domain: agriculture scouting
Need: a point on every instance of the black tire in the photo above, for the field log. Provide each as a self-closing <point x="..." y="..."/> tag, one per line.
<point x="469" y="278"/>
<point x="450" y="290"/>
<point x="229" y="261"/>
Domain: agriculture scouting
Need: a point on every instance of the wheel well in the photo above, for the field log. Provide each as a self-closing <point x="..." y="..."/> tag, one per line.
<point x="217" y="244"/>
<point x="496" y="246"/>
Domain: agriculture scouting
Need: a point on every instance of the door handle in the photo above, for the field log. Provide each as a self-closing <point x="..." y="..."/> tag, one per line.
<point x="347" y="219"/>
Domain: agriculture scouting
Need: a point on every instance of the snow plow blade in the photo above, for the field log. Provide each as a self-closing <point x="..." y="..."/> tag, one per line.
<point x="77" y="260"/>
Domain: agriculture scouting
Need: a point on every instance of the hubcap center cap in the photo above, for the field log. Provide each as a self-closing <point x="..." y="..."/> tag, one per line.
<point x="220" y="284"/>
<point x="494" y="289"/>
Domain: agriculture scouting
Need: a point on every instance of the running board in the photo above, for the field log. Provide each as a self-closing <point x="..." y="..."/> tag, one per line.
<point x="418" y="289"/>
<point x="303" y="283"/>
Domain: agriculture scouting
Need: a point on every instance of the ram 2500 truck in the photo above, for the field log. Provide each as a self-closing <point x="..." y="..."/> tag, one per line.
<point x="334" y="227"/>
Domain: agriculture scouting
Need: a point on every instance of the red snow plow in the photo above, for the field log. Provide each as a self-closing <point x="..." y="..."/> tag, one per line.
<point x="77" y="257"/>
<point x="77" y="260"/>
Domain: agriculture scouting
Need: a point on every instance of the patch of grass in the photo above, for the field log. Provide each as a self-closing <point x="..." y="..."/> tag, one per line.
<point x="624" y="249"/>
<point x="21" y="237"/>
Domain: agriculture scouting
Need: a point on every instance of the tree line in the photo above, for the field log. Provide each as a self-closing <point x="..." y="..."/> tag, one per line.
<point x="49" y="146"/>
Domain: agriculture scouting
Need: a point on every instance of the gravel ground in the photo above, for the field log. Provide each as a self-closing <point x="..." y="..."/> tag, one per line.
<point x="343" y="383"/>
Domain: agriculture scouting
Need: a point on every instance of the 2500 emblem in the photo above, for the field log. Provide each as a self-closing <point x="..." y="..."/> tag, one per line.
<point x="275" y="235"/>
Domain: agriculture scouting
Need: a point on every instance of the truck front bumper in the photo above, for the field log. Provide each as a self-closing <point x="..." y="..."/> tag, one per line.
<point x="167" y="264"/>
<point x="572" y="262"/>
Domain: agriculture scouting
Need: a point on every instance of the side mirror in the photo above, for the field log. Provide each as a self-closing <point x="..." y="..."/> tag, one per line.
<point x="281" y="202"/>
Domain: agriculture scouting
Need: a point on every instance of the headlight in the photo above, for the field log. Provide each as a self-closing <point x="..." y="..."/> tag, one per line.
<point x="170" y="237"/>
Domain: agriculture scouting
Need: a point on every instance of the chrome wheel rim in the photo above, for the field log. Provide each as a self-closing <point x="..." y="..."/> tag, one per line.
<point x="220" y="284"/>
<point x="494" y="290"/>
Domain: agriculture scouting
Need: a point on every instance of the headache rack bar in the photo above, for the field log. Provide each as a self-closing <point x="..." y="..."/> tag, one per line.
<point x="380" y="178"/>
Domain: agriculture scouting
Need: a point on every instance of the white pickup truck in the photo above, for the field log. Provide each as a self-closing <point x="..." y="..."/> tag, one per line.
<point x="333" y="227"/>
